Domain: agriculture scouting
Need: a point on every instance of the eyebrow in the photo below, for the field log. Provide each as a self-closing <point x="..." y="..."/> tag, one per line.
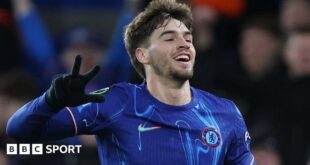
<point x="173" y="32"/>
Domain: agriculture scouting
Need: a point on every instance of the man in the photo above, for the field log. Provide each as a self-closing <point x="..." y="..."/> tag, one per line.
<point x="162" y="121"/>
<point x="295" y="103"/>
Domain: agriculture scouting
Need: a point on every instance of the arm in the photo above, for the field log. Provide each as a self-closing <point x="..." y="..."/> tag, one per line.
<point x="36" y="40"/>
<point x="117" y="57"/>
<point x="239" y="151"/>
<point x="37" y="121"/>
<point x="48" y="117"/>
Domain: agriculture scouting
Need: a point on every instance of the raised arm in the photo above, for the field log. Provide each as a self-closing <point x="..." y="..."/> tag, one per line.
<point x="35" y="38"/>
<point x="48" y="117"/>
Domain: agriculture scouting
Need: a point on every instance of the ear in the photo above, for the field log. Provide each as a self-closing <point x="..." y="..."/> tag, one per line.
<point x="141" y="55"/>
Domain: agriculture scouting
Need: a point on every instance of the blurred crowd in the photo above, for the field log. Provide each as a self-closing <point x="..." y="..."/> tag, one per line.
<point x="254" y="52"/>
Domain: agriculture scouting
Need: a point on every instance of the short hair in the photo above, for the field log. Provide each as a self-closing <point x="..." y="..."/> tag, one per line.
<point x="267" y="23"/>
<point x="137" y="33"/>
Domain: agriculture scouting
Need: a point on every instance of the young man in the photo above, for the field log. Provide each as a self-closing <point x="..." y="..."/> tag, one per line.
<point x="162" y="121"/>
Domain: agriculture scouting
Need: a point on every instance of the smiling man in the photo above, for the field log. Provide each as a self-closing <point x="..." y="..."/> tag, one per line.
<point x="161" y="121"/>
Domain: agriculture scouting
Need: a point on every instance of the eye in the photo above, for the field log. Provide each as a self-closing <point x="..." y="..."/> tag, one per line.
<point x="170" y="39"/>
<point x="189" y="40"/>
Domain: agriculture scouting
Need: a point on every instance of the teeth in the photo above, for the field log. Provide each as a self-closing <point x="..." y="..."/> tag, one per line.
<point x="182" y="57"/>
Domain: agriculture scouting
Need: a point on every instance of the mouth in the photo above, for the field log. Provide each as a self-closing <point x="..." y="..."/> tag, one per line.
<point x="183" y="57"/>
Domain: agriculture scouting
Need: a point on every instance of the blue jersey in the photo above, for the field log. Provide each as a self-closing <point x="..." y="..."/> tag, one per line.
<point x="133" y="127"/>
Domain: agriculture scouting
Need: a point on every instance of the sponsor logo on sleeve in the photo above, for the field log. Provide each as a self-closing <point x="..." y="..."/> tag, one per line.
<point x="247" y="136"/>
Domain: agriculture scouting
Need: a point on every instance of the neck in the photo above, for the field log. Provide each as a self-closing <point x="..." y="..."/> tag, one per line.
<point x="169" y="91"/>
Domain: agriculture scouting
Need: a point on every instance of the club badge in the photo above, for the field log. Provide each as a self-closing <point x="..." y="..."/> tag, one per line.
<point x="211" y="137"/>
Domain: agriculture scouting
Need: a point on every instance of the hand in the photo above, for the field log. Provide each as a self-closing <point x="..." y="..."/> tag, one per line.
<point x="68" y="89"/>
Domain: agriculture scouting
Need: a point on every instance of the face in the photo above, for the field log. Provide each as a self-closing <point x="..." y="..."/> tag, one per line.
<point x="294" y="14"/>
<point x="258" y="50"/>
<point x="297" y="54"/>
<point x="170" y="52"/>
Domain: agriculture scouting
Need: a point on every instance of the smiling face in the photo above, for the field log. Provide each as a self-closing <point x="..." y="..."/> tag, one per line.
<point x="170" y="52"/>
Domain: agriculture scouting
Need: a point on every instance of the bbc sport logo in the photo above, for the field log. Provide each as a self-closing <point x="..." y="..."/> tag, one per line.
<point x="40" y="149"/>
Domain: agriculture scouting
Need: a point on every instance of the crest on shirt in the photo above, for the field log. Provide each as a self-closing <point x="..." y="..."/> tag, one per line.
<point x="211" y="137"/>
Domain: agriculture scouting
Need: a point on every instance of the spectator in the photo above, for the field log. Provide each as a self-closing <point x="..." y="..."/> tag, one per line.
<point x="41" y="48"/>
<point x="266" y="153"/>
<point x="213" y="41"/>
<point x="205" y="20"/>
<point x="296" y="136"/>
<point x="297" y="55"/>
<point x="255" y="84"/>
<point x="294" y="14"/>
<point x="260" y="46"/>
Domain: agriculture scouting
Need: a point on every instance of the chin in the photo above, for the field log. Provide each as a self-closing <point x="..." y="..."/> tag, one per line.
<point x="182" y="76"/>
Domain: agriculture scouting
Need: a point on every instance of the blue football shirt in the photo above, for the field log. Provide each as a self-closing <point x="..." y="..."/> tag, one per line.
<point x="133" y="127"/>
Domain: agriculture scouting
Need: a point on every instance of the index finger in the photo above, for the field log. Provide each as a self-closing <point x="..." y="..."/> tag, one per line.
<point x="76" y="66"/>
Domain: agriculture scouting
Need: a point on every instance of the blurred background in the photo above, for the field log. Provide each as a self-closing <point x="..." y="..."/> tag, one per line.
<point x="255" y="52"/>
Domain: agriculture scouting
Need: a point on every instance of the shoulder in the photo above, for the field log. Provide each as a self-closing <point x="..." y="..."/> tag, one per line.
<point x="125" y="85"/>
<point x="121" y="88"/>
<point x="216" y="101"/>
<point x="117" y="96"/>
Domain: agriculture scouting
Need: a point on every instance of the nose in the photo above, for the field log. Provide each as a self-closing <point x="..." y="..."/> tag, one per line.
<point x="183" y="44"/>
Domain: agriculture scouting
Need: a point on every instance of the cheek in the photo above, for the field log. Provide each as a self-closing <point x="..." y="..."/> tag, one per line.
<point x="161" y="51"/>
